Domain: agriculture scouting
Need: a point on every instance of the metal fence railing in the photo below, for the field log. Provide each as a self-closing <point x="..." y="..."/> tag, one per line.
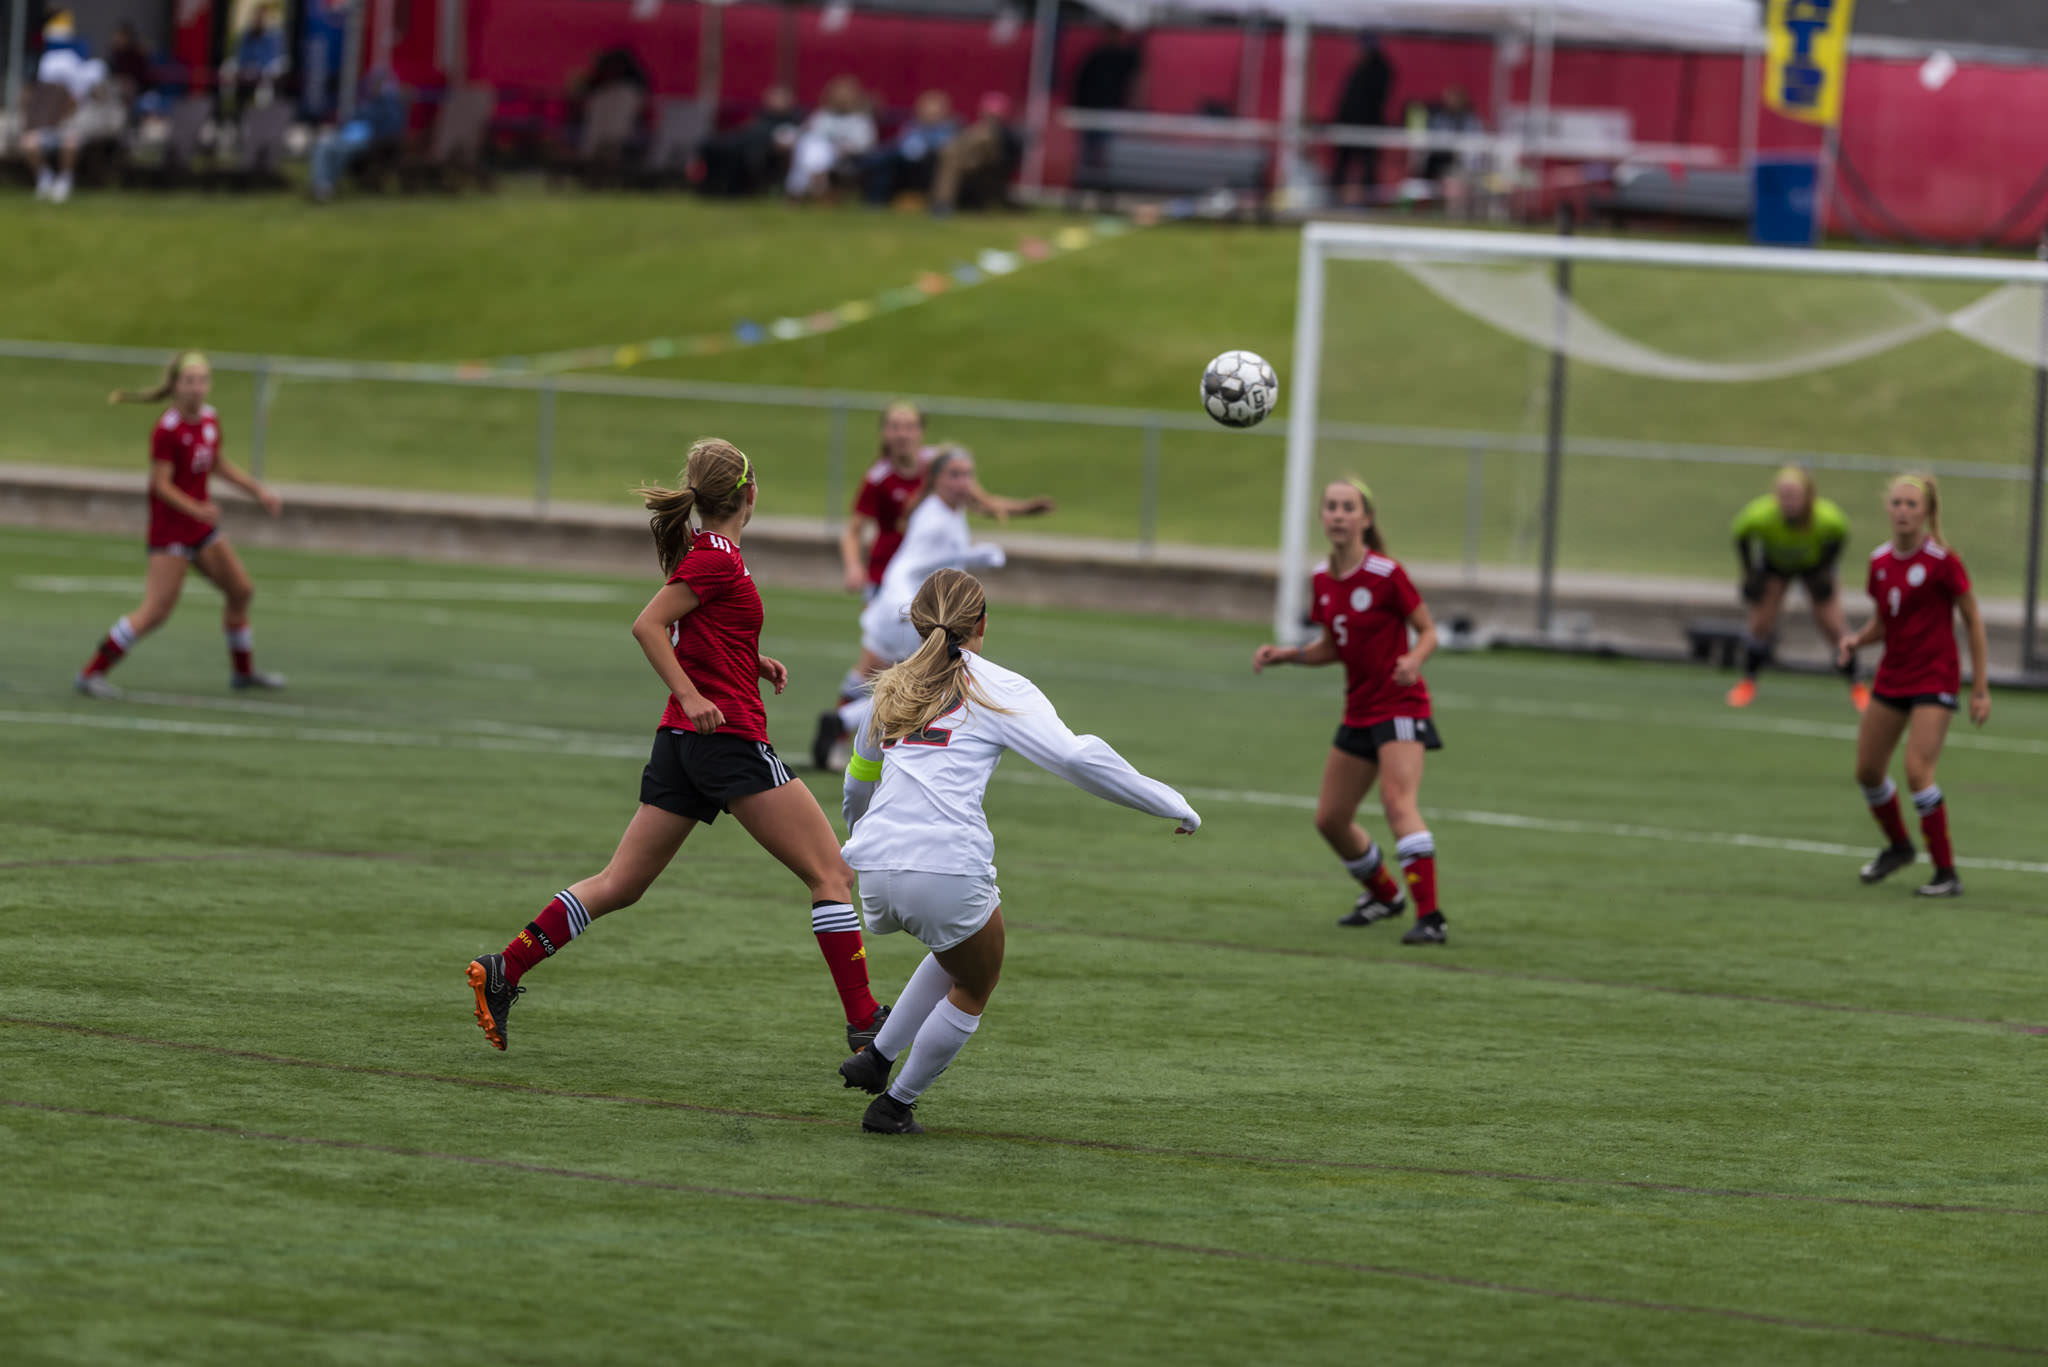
<point x="1135" y="477"/>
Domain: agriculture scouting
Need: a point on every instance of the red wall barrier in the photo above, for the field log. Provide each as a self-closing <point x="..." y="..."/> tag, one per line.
<point x="1946" y="164"/>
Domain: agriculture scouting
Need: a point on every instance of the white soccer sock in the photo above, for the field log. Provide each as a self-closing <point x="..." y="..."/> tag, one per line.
<point x="123" y="633"/>
<point x="1927" y="799"/>
<point x="1421" y="845"/>
<point x="1366" y="864"/>
<point x="833" y="918"/>
<point x="939" y="1041"/>
<point x="1882" y="793"/>
<point x="854" y="715"/>
<point x="240" y="638"/>
<point x="927" y="987"/>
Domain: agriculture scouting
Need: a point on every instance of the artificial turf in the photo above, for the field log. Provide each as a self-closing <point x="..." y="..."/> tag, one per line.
<point x="1679" y="1088"/>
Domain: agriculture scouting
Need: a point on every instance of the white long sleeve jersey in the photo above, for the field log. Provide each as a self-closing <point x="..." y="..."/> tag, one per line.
<point x="924" y="811"/>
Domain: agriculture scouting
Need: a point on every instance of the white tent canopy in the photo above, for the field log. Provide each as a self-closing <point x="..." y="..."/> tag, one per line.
<point x="1687" y="25"/>
<point x="1717" y="24"/>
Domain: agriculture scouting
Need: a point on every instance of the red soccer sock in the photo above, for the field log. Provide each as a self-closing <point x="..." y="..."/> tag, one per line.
<point x="1884" y="807"/>
<point x="838" y="932"/>
<point x="1382" y="886"/>
<point x="117" y="644"/>
<point x="240" y="652"/>
<point x="561" y="921"/>
<point x="1418" y="866"/>
<point x="1934" y="825"/>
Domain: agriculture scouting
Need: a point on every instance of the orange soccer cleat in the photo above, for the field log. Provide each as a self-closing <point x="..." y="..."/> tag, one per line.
<point x="1743" y="694"/>
<point x="1859" y="696"/>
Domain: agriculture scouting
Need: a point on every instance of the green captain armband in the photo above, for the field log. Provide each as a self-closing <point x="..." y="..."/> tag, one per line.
<point x="863" y="770"/>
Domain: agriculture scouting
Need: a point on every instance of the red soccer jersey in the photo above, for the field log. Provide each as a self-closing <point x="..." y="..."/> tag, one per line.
<point x="887" y="495"/>
<point x="719" y="644"/>
<point x="1366" y="612"/>
<point x="190" y="447"/>
<point x="1916" y="596"/>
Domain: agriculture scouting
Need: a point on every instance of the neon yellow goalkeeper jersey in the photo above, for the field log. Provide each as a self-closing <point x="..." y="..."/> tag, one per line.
<point x="1766" y="541"/>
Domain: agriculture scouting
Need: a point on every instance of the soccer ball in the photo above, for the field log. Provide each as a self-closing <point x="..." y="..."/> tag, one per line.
<point x="1239" y="389"/>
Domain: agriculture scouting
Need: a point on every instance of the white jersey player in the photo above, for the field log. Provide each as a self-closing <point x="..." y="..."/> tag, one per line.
<point x="943" y="719"/>
<point x="935" y="538"/>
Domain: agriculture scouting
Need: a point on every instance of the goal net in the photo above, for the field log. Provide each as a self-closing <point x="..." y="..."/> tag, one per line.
<point x="1559" y="430"/>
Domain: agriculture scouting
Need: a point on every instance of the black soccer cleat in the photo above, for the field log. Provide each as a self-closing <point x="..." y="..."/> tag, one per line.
<point x="887" y="1115"/>
<point x="830" y="732"/>
<point x="867" y="1070"/>
<point x="859" y="1037"/>
<point x="1889" y="861"/>
<point x="1427" y="930"/>
<point x="494" y="996"/>
<point x="1370" y="909"/>
<point x="1945" y="883"/>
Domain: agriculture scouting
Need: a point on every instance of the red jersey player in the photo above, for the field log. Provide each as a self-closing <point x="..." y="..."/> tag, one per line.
<point x="184" y="528"/>
<point x="1919" y="586"/>
<point x="1367" y="606"/>
<point x="881" y="512"/>
<point x="702" y="634"/>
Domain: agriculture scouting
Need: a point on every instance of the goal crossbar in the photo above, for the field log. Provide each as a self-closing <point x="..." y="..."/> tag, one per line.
<point x="1324" y="242"/>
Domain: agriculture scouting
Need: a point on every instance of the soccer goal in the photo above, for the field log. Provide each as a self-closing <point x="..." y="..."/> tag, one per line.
<point x="1566" y="423"/>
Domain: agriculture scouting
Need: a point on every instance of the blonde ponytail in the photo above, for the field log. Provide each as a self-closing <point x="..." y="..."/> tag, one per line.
<point x="714" y="483"/>
<point x="912" y="695"/>
<point x="164" y="387"/>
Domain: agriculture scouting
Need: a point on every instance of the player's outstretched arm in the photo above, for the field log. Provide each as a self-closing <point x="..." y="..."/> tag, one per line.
<point x="1321" y="652"/>
<point x="921" y="561"/>
<point x="1002" y="509"/>
<point x="650" y="629"/>
<point x="1034" y="730"/>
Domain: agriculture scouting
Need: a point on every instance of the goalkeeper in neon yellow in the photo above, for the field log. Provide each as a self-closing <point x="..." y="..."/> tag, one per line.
<point x="1789" y="533"/>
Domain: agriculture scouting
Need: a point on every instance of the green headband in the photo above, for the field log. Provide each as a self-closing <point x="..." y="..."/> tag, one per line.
<point x="1364" y="490"/>
<point x="190" y="358"/>
<point x="746" y="473"/>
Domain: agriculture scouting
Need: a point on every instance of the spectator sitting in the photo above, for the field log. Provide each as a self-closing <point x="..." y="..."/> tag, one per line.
<point x="1454" y="115"/>
<point x="909" y="163"/>
<point x="831" y="138"/>
<point x="740" y="160"/>
<point x="259" y="55"/>
<point x="379" y="122"/>
<point x="976" y="166"/>
<point x="83" y="118"/>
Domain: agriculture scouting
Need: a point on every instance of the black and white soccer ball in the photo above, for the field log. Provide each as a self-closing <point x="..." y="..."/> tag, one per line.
<point x="1239" y="389"/>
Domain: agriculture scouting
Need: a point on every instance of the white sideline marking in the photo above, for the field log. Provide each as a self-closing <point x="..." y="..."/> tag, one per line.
<point x="542" y="741"/>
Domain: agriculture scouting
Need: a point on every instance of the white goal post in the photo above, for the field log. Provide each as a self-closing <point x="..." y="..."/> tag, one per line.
<point x="2022" y="333"/>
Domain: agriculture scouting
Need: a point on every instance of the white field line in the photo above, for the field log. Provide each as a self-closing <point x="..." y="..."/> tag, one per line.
<point x="540" y="741"/>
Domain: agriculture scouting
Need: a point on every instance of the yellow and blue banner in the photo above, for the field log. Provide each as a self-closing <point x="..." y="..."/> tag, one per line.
<point x="1807" y="58"/>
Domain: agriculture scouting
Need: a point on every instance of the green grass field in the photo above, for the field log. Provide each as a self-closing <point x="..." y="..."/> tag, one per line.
<point x="1679" y="1089"/>
<point x="1128" y="323"/>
